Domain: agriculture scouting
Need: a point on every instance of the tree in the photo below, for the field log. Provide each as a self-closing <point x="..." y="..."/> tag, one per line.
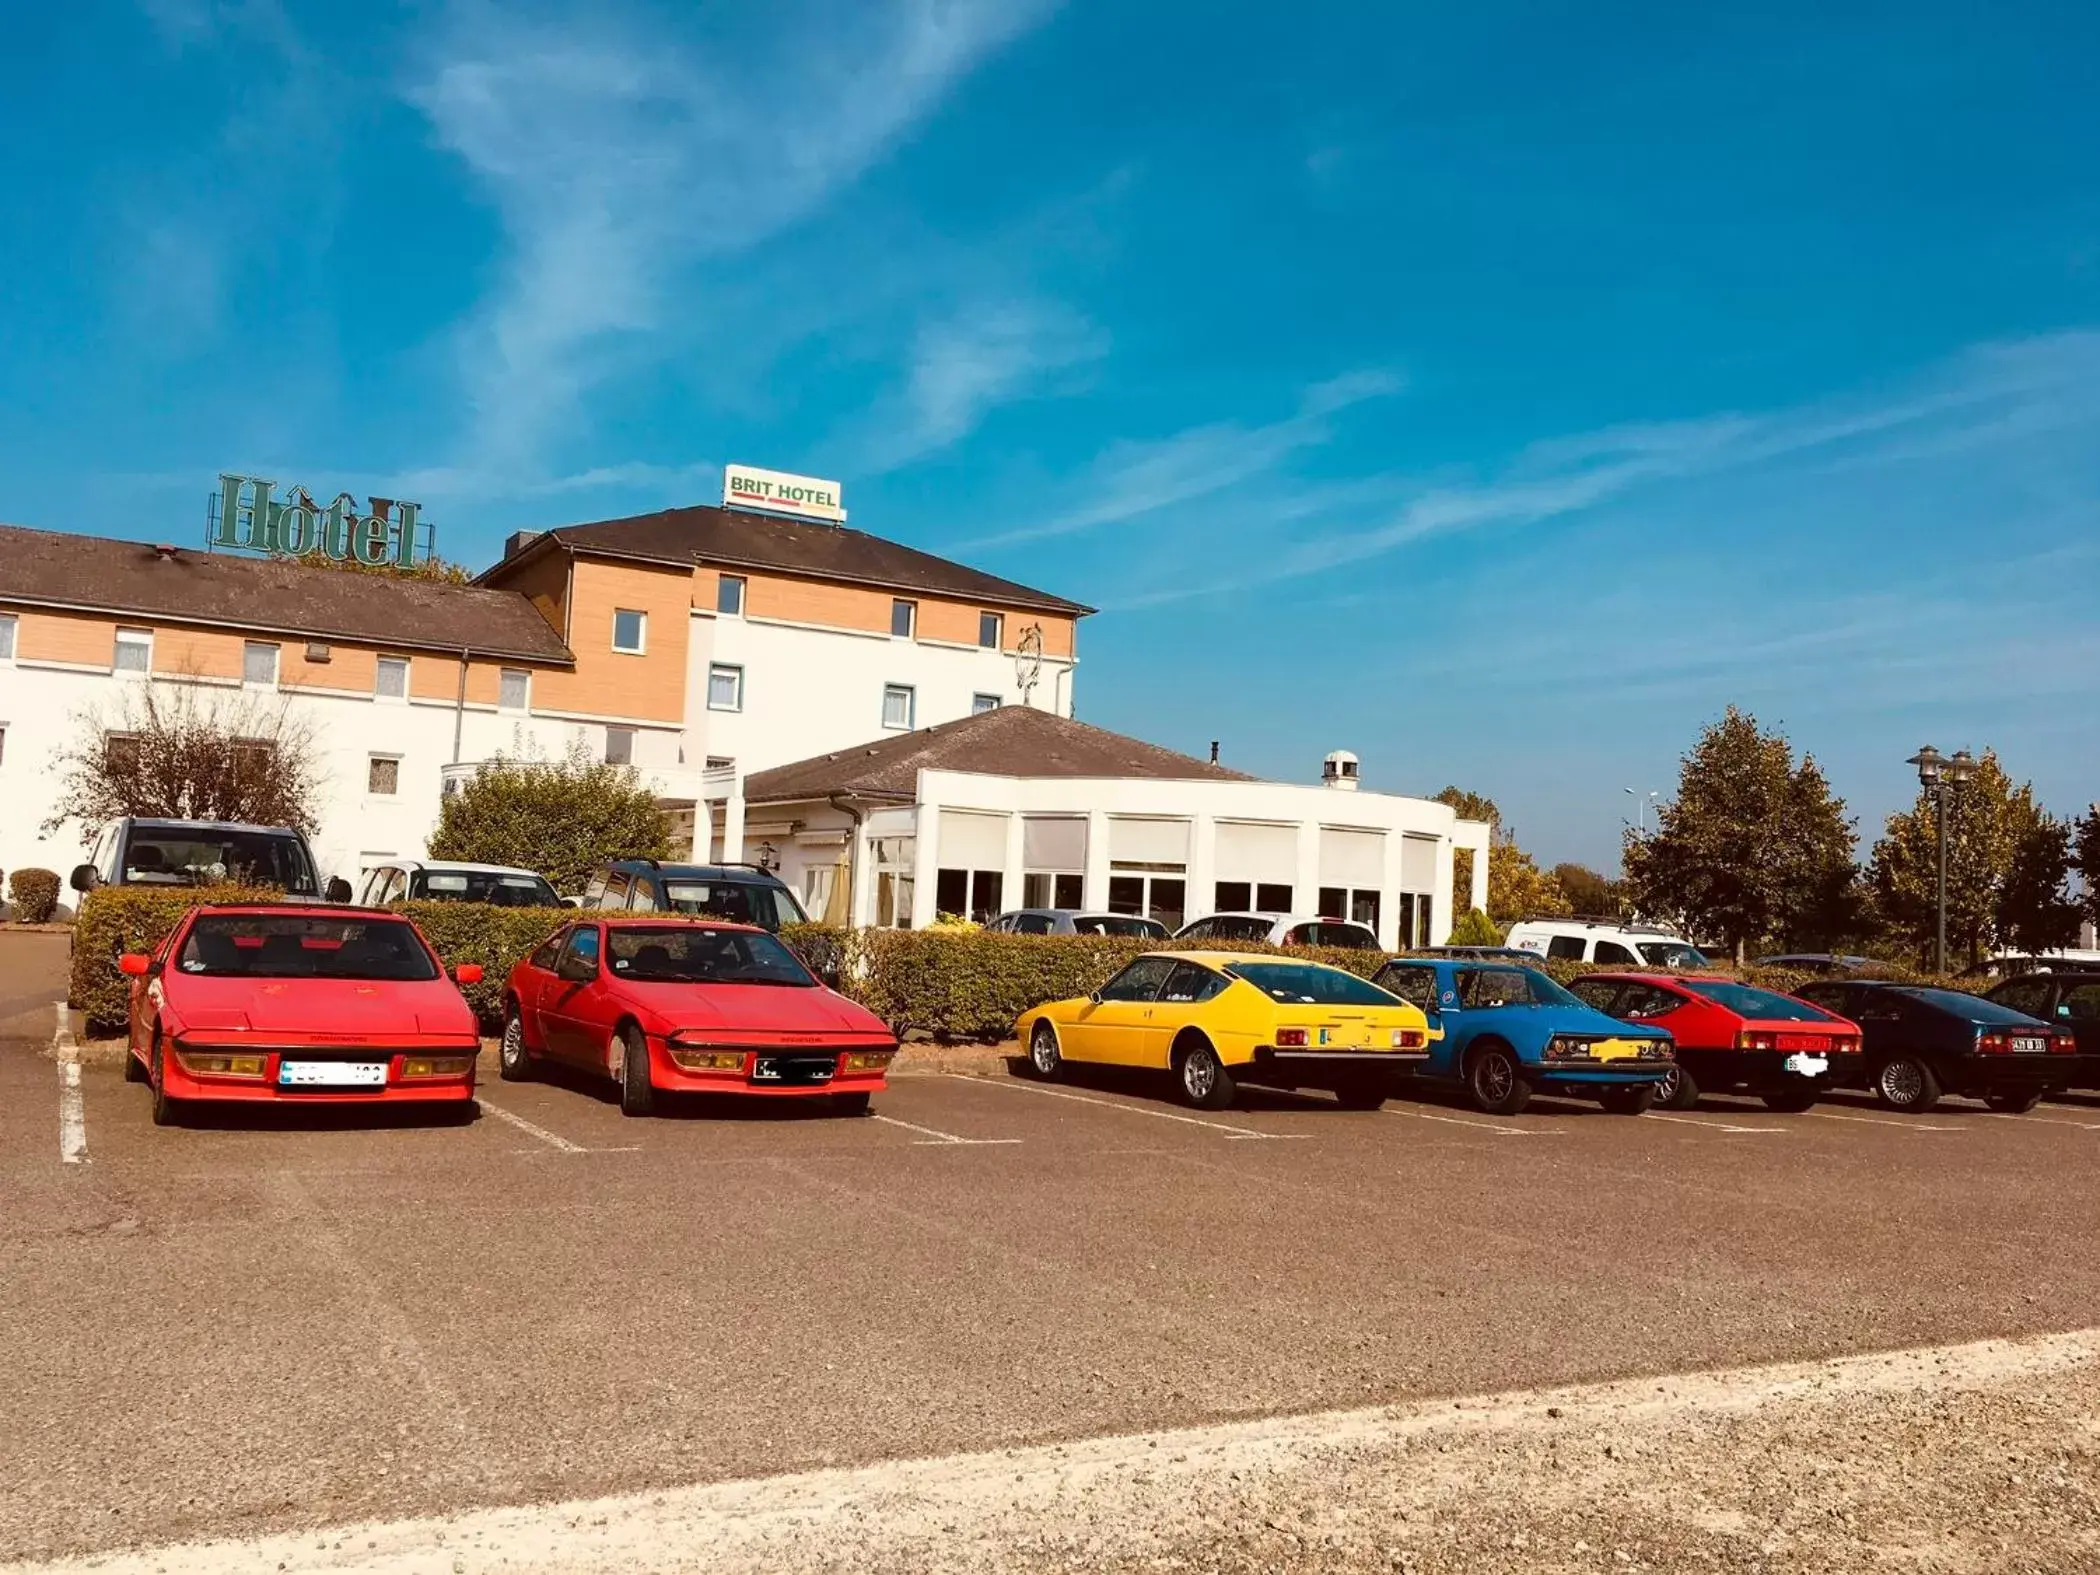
<point x="1753" y="848"/>
<point x="1470" y="805"/>
<point x="1591" y="892"/>
<point x="1989" y="822"/>
<point x="2035" y="910"/>
<point x="1474" y="928"/>
<point x="562" y="818"/>
<point x="1518" y="889"/>
<point x="2086" y="854"/>
<point x="183" y="751"/>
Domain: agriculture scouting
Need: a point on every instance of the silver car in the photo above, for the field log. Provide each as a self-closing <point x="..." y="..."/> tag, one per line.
<point x="1076" y="921"/>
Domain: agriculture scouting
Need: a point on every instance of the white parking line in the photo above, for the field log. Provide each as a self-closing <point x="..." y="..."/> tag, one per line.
<point x="937" y="1139"/>
<point x="2047" y="1121"/>
<point x="1877" y="1121"/>
<point x="72" y="1110"/>
<point x="552" y="1139"/>
<point x="1711" y="1126"/>
<point x="1461" y="1121"/>
<point x="1231" y="1132"/>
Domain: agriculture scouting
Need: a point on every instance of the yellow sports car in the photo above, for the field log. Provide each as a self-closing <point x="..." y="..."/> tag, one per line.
<point x="1219" y="1019"/>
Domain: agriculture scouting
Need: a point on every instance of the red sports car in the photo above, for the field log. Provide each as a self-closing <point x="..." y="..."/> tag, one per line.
<point x="298" y="1004"/>
<point x="1732" y="1036"/>
<point x="679" y="1006"/>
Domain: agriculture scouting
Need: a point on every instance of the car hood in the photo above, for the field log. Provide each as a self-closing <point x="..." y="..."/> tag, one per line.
<point x="1588" y="1020"/>
<point x="750" y="1008"/>
<point x="316" y="1009"/>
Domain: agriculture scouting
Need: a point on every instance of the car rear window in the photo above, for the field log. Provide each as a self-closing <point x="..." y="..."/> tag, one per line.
<point x="1748" y="1001"/>
<point x="1498" y="986"/>
<point x="1310" y="984"/>
<point x="201" y="856"/>
<point x="739" y="901"/>
<point x="500" y="891"/>
<point x="1672" y="954"/>
<point x="301" y="946"/>
<point x="1328" y="933"/>
<point x="695" y="954"/>
<point x="1973" y="1008"/>
<point x="1118" y="924"/>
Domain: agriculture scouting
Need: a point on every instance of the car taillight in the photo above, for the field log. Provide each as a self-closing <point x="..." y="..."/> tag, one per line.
<point x="1289" y="1038"/>
<point x="437" y="1066"/>
<point x="1994" y="1044"/>
<point x="2063" y="1044"/>
<point x="1559" y="1049"/>
<point x="1409" y="1039"/>
<point x="1844" y="1044"/>
<point x="1749" y="1041"/>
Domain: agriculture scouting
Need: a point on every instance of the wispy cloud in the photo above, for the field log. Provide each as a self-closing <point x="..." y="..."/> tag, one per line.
<point x="618" y="159"/>
<point x="1134" y="479"/>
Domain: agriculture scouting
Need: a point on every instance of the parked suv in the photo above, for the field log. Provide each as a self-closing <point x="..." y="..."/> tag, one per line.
<point x="1607" y="942"/>
<point x="743" y="893"/>
<point x="1281" y="929"/>
<point x="137" y="851"/>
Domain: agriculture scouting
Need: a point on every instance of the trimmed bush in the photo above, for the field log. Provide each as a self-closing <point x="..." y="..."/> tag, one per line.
<point x="496" y="938"/>
<point x="1475" y="928"/>
<point x="35" y="895"/>
<point x="119" y="919"/>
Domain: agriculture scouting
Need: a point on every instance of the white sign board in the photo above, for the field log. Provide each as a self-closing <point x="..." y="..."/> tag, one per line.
<point x="811" y="498"/>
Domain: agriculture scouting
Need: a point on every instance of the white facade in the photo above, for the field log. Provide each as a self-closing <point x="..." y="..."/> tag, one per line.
<point x="1126" y="844"/>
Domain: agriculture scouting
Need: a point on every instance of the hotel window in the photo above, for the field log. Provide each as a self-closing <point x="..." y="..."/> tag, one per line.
<point x="899" y="702"/>
<point x="134" y="651"/>
<point x="990" y="628"/>
<point x="7" y="637"/>
<point x="979" y="704"/>
<point x="630" y="630"/>
<point x="725" y="687"/>
<point x="720" y="762"/>
<point x="904" y="618"/>
<point x="392" y="682"/>
<point x="513" y="689"/>
<point x="619" y="746"/>
<point x="383" y="775"/>
<point x="258" y="663"/>
<point x="729" y="595"/>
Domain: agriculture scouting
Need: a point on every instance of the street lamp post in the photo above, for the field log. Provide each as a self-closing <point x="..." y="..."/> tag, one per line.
<point x="1937" y="773"/>
<point x="1640" y="820"/>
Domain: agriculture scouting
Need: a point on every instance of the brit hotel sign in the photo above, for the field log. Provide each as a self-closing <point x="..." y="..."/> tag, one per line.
<point x="245" y="514"/>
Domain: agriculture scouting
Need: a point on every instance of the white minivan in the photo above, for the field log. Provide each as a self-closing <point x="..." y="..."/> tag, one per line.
<point x="1606" y="942"/>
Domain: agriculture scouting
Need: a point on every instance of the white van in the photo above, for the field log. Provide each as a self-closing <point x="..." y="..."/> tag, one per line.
<point x="1607" y="943"/>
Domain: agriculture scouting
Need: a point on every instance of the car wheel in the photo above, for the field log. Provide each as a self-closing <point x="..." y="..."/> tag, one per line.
<point x="1627" y="1099"/>
<point x="1676" y="1090"/>
<point x="1497" y="1082"/>
<point x="1204" y="1081"/>
<point x="1908" y="1084"/>
<point x="513" y="1060"/>
<point x="1790" y="1101"/>
<point x="2010" y="1104"/>
<point x="860" y="1103"/>
<point x="1364" y="1093"/>
<point x="1045" y="1059"/>
<point x="166" y="1112"/>
<point x="637" y="1093"/>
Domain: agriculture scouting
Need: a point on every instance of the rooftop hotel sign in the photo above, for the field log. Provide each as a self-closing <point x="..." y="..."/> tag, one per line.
<point x="245" y="513"/>
<point x="778" y="493"/>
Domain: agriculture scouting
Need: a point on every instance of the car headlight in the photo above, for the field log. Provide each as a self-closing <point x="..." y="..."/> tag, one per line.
<point x="706" y="1060"/>
<point x="437" y="1066"/>
<point x="868" y="1060"/>
<point x="219" y="1063"/>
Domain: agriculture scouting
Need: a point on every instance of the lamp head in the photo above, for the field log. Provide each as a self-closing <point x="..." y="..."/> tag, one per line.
<point x="1929" y="762"/>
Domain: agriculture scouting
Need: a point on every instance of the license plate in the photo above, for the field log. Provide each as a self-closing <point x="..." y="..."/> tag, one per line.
<point x="1616" y="1049"/>
<point x="2030" y="1046"/>
<point x="331" y="1074"/>
<point x="1808" y="1065"/>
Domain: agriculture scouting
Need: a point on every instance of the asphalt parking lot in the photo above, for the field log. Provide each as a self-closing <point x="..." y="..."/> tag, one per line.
<point x="273" y="1323"/>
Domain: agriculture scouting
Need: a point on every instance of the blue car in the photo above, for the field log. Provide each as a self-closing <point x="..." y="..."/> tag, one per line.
<point x="1511" y="1032"/>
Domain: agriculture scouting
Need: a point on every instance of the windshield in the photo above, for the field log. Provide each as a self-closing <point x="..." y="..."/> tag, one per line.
<point x="1309" y="984"/>
<point x="501" y="891"/>
<point x="739" y="901"/>
<point x="694" y="954"/>
<point x="1973" y="1007"/>
<point x="1672" y="954"/>
<point x="1510" y="987"/>
<point x="1118" y="924"/>
<point x="303" y="946"/>
<point x="201" y="856"/>
<point x="1746" y="1001"/>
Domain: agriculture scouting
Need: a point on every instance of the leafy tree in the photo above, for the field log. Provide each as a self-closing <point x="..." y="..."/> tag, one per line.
<point x="2035" y="910"/>
<point x="1475" y="928"/>
<point x="1591" y="892"/>
<point x="184" y="751"/>
<point x="2086" y="854"/>
<point x="1470" y="805"/>
<point x="1519" y="889"/>
<point x="1989" y="822"/>
<point x="562" y="818"/>
<point x="1754" y="847"/>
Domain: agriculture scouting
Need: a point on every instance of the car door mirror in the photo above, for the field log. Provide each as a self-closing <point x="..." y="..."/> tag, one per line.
<point x="134" y="965"/>
<point x="1094" y="996"/>
<point x="468" y="973"/>
<point x="575" y="969"/>
<point x="84" y="877"/>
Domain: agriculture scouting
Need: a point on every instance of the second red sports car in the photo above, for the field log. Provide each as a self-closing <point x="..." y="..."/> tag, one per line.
<point x="1732" y="1036"/>
<point x="668" y="1006"/>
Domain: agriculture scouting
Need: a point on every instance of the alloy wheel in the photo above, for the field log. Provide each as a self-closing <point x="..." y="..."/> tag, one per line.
<point x="1901" y="1083"/>
<point x="1042" y="1050"/>
<point x="1199" y="1075"/>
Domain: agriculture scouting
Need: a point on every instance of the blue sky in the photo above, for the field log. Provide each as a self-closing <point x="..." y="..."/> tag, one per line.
<point x="1497" y="390"/>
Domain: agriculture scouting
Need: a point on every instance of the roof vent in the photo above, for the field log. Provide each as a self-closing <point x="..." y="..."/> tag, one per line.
<point x="1339" y="770"/>
<point x="518" y="540"/>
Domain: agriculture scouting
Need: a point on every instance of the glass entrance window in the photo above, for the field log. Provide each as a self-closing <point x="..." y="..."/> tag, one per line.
<point x="1160" y="897"/>
<point x="1049" y="889"/>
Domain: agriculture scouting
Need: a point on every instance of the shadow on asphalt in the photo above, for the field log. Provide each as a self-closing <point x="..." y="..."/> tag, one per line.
<point x="1159" y="1087"/>
<point x="232" y="1116"/>
<point x="691" y="1107"/>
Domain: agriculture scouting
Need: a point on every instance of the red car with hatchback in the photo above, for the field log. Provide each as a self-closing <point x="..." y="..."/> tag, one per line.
<point x="298" y="1004"/>
<point x="1732" y="1037"/>
<point x="664" y="1006"/>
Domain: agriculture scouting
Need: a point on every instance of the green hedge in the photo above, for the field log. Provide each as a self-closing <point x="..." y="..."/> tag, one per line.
<point x="35" y="895"/>
<point x="119" y="919"/>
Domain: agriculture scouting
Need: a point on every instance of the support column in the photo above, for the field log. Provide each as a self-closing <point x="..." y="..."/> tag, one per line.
<point x="733" y="822"/>
<point x="926" y="866"/>
<point x="1094" y="890"/>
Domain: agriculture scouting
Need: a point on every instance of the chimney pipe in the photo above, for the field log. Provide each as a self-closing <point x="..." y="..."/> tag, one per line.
<point x="1214" y="751"/>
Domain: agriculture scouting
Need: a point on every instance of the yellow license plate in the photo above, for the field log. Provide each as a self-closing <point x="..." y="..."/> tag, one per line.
<point x="1616" y="1049"/>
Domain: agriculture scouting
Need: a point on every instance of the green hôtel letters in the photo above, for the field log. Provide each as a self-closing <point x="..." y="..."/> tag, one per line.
<point x="249" y="516"/>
